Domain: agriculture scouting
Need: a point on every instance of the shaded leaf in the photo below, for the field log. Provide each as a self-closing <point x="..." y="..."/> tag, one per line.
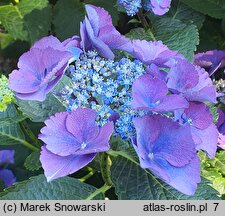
<point x="10" y="134"/>
<point x="140" y="33"/>
<point x="67" y="15"/>
<point x="5" y="40"/>
<point x="134" y="183"/>
<point x="21" y="19"/>
<point x="32" y="162"/>
<point x="183" y="12"/>
<point x="37" y="188"/>
<point x="214" y="8"/>
<point x="40" y="111"/>
<point x="177" y="35"/>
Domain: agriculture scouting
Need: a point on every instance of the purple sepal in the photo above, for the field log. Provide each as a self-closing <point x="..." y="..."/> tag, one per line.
<point x="40" y="69"/>
<point x="211" y="60"/>
<point x="160" y="7"/>
<point x="221" y="141"/>
<point x="204" y="131"/>
<point x="72" y="141"/>
<point x="221" y="121"/>
<point x="7" y="177"/>
<point x="155" y="71"/>
<point x="158" y="145"/>
<point x="6" y="157"/>
<point x="56" y="166"/>
<point x="191" y="81"/>
<point x="206" y="139"/>
<point x="150" y="93"/>
<point x="72" y="42"/>
<point x="98" y="32"/>
<point x="153" y="52"/>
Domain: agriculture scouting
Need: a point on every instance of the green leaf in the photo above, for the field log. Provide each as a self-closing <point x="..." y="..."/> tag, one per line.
<point x="214" y="170"/>
<point x="214" y="113"/>
<point x="10" y="134"/>
<point x="177" y="35"/>
<point x="211" y="36"/>
<point x="73" y="12"/>
<point x="20" y="20"/>
<point x="140" y="33"/>
<point x="34" y="24"/>
<point x="2" y="186"/>
<point x="67" y="15"/>
<point x="37" y="188"/>
<point x="184" y="13"/>
<point x="220" y="161"/>
<point x="5" y="122"/>
<point x="213" y="8"/>
<point x="40" y="111"/>
<point x="32" y="162"/>
<point x="134" y="183"/>
<point x="5" y="40"/>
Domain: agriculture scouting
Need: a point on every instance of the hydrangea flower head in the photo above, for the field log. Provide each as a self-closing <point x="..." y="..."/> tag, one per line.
<point x="203" y="130"/>
<point x="6" y="95"/>
<point x="98" y="32"/>
<point x="191" y="81"/>
<point x="40" y="69"/>
<point x="211" y="60"/>
<point x="72" y="141"/>
<point x="101" y="84"/>
<point x="158" y="144"/>
<point x="150" y="93"/>
<point x="6" y="175"/>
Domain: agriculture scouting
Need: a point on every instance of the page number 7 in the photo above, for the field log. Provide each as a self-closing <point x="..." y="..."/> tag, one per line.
<point x="216" y="205"/>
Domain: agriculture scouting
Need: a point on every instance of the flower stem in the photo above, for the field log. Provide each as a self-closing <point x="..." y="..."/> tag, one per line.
<point x="145" y="24"/>
<point x="106" y="163"/>
<point x="86" y="177"/>
<point x="103" y="189"/>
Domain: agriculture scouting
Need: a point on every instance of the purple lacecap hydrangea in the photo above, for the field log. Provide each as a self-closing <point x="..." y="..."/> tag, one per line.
<point x="97" y="32"/>
<point x="191" y="81"/>
<point x="40" y="69"/>
<point x="211" y="60"/>
<point x="150" y="93"/>
<point x="167" y="149"/>
<point x="204" y="131"/>
<point x="166" y="143"/>
<point x="6" y="175"/>
<point x="72" y="140"/>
